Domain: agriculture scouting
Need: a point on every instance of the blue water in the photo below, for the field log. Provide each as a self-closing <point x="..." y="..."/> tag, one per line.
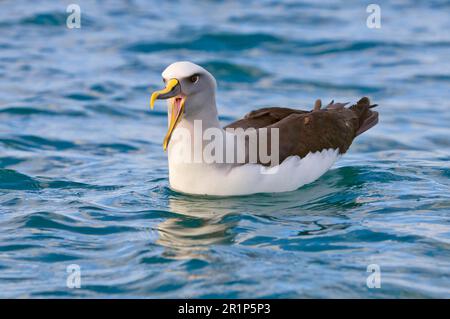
<point x="83" y="177"/>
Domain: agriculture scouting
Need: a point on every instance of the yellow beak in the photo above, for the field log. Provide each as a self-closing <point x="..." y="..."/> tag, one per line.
<point x="160" y="94"/>
<point x="172" y="90"/>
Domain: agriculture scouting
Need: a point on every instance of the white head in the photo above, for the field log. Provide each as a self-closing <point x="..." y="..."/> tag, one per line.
<point x="190" y="91"/>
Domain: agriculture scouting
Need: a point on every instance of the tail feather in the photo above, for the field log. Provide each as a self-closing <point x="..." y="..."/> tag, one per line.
<point x="335" y="106"/>
<point x="367" y="117"/>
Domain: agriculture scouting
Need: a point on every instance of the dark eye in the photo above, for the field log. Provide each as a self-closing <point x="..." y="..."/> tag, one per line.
<point x="194" y="78"/>
<point x="164" y="80"/>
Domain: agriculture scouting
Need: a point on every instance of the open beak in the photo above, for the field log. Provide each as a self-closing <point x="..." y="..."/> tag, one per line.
<point x="172" y="90"/>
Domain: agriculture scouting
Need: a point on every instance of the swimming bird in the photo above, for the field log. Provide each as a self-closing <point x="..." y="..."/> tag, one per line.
<point x="306" y="143"/>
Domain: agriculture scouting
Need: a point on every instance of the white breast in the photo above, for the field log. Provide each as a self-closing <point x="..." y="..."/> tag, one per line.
<point x="227" y="180"/>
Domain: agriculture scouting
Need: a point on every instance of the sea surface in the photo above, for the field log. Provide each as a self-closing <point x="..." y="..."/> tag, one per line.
<point x="84" y="179"/>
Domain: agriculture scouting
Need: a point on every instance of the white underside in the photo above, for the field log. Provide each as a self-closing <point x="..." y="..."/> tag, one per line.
<point x="225" y="180"/>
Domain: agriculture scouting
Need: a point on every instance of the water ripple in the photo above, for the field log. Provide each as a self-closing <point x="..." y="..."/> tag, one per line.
<point x="209" y="42"/>
<point x="83" y="177"/>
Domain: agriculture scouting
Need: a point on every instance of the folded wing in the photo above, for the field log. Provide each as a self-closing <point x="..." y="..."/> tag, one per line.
<point x="302" y="132"/>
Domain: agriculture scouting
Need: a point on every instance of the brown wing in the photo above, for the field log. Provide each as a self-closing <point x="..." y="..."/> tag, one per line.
<point x="264" y="117"/>
<point x="302" y="132"/>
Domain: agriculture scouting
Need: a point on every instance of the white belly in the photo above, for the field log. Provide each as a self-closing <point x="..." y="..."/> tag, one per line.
<point x="225" y="180"/>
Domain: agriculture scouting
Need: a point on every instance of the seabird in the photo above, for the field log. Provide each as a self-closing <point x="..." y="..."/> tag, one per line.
<point x="309" y="142"/>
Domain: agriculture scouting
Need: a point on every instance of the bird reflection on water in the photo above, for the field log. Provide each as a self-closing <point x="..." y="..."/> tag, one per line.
<point x="205" y="221"/>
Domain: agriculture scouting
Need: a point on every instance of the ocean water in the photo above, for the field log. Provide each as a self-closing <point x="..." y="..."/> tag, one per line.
<point x="84" y="179"/>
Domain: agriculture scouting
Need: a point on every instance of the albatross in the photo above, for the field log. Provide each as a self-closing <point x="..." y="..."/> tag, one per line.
<point x="307" y="142"/>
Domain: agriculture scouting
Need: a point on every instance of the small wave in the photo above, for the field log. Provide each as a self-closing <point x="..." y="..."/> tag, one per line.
<point x="106" y="87"/>
<point x="385" y="144"/>
<point x="51" y="257"/>
<point x="104" y="148"/>
<point x="23" y="110"/>
<point x="10" y="179"/>
<point x="209" y="42"/>
<point x="13" y="180"/>
<point x="225" y="71"/>
<point x="9" y="161"/>
<point x="65" y="184"/>
<point x="440" y="140"/>
<point x="332" y="47"/>
<point x="304" y="19"/>
<point x="438" y="78"/>
<point x="399" y="62"/>
<point x="105" y="109"/>
<point x="46" y="220"/>
<point x="155" y="112"/>
<point x="104" y="213"/>
<point x="81" y="96"/>
<point x="152" y="260"/>
<point x="296" y="84"/>
<point x="30" y="142"/>
<point x="83" y="177"/>
<point x="16" y="247"/>
<point x="46" y="19"/>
